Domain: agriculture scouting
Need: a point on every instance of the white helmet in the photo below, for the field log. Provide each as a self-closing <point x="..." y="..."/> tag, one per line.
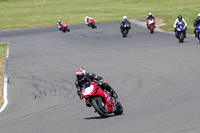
<point x="150" y="14"/>
<point x="124" y="17"/>
<point x="58" y="21"/>
<point x="86" y="17"/>
<point x="199" y="15"/>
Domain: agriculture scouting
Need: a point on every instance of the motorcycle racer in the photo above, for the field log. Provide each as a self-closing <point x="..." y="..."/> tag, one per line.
<point x="179" y="20"/>
<point x="124" y="21"/>
<point x="149" y="16"/>
<point x="59" y="24"/>
<point x="196" y="22"/>
<point x="87" y="18"/>
<point x="83" y="77"/>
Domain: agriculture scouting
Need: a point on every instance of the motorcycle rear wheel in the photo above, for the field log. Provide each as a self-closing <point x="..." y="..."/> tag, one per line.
<point x="101" y="111"/>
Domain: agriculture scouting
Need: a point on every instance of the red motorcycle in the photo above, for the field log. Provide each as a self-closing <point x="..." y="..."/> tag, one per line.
<point x="151" y="24"/>
<point x="101" y="100"/>
<point x="92" y="24"/>
<point x="64" y="27"/>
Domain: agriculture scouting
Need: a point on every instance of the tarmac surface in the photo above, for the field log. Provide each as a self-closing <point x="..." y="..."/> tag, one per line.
<point x="157" y="80"/>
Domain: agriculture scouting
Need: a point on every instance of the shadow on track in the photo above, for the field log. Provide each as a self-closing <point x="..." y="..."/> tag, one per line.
<point x="99" y="117"/>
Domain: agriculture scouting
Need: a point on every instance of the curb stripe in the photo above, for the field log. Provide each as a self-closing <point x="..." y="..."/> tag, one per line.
<point x="5" y="83"/>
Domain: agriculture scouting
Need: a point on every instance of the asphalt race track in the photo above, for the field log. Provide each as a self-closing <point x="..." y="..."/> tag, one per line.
<point x="157" y="80"/>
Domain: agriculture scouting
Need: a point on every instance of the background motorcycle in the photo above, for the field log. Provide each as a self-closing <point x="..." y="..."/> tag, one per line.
<point x="151" y="23"/>
<point x="92" y="24"/>
<point x="101" y="100"/>
<point x="198" y="32"/>
<point x="181" y="32"/>
<point x="64" y="27"/>
<point x="125" y="29"/>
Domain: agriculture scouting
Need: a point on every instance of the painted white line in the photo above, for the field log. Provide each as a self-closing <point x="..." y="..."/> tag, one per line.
<point x="5" y="85"/>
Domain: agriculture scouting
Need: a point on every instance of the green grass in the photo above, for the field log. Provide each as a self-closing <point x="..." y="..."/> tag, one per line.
<point x="2" y="57"/>
<point x="37" y="13"/>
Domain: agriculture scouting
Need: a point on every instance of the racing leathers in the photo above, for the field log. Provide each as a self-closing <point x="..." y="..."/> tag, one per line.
<point x="176" y="23"/>
<point x="196" y="22"/>
<point x="147" y="18"/>
<point x="59" y="25"/>
<point x="123" y="22"/>
<point x="88" y="77"/>
<point x="87" y="20"/>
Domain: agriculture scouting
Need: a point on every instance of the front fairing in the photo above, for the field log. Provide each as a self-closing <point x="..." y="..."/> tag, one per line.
<point x="198" y="28"/>
<point x="151" y="21"/>
<point x="180" y="28"/>
<point x="91" y="90"/>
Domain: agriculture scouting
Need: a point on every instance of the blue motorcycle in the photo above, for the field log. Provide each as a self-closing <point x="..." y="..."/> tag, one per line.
<point x="198" y="32"/>
<point x="181" y="32"/>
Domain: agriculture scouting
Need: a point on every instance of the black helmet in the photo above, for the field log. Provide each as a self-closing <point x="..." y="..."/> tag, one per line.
<point x="180" y="18"/>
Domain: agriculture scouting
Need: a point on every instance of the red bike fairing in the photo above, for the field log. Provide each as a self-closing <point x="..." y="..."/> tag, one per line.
<point x="91" y="90"/>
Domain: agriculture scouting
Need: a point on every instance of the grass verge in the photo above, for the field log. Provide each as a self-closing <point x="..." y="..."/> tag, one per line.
<point x="37" y="13"/>
<point x="2" y="59"/>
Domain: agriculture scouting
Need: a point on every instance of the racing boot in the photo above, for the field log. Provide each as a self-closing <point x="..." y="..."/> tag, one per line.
<point x="114" y="94"/>
<point x="195" y="33"/>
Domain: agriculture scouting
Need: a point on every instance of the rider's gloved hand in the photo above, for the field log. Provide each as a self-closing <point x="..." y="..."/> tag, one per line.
<point x="81" y="97"/>
<point x="100" y="82"/>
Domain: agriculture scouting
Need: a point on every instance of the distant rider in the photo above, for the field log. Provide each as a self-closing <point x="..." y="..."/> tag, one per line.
<point x="124" y="21"/>
<point x="59" y="23"/>
<point x="87" y="19"/>
<point x="149" y="16"/>
<point x="196" y="22"/>
<point x="83" y="77"/>
<point x="178" y="21"/>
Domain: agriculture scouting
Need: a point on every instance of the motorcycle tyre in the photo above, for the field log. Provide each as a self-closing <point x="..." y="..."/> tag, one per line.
<point x="181" y="38"/>
<point x="119" y="109"/>
<point x="151" y="29"/>
<point x="98" y="109"/>
<point x="124" y="34"/>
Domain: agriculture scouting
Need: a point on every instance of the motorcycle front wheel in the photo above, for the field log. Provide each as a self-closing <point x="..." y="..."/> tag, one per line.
<point x="181" y="38"/>
<point x="152" y="29"/>
<point x="124" y="32"/>
<point x="100" y="107"/>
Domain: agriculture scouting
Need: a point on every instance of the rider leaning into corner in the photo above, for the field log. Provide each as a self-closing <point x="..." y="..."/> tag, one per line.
<point x="83" y="77"/>
<point x="124" y="21"/>
<point x="179" y="20"/>
<point x="59" y="23"/>
<point x="87" y="18"/>
<point x="196" y="22"/>
<point x="149" y="16"/>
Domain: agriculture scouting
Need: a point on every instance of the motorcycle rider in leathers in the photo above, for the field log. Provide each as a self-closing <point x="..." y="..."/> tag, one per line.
<point x="149" y="16"/>
<point x="83" y="77"/>
<point x="124" y="21"/>
<point x="196" y="22"/>
<point x="179" y="20"/>
<point x="59" y="23"/>
<point x="87" y="19"/>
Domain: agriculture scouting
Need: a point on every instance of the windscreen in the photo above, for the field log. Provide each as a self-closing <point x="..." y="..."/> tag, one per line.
<point x="86" y="85"/>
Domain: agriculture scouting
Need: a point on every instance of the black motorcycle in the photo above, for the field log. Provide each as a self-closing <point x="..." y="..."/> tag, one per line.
<point x="125" y="29"/>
